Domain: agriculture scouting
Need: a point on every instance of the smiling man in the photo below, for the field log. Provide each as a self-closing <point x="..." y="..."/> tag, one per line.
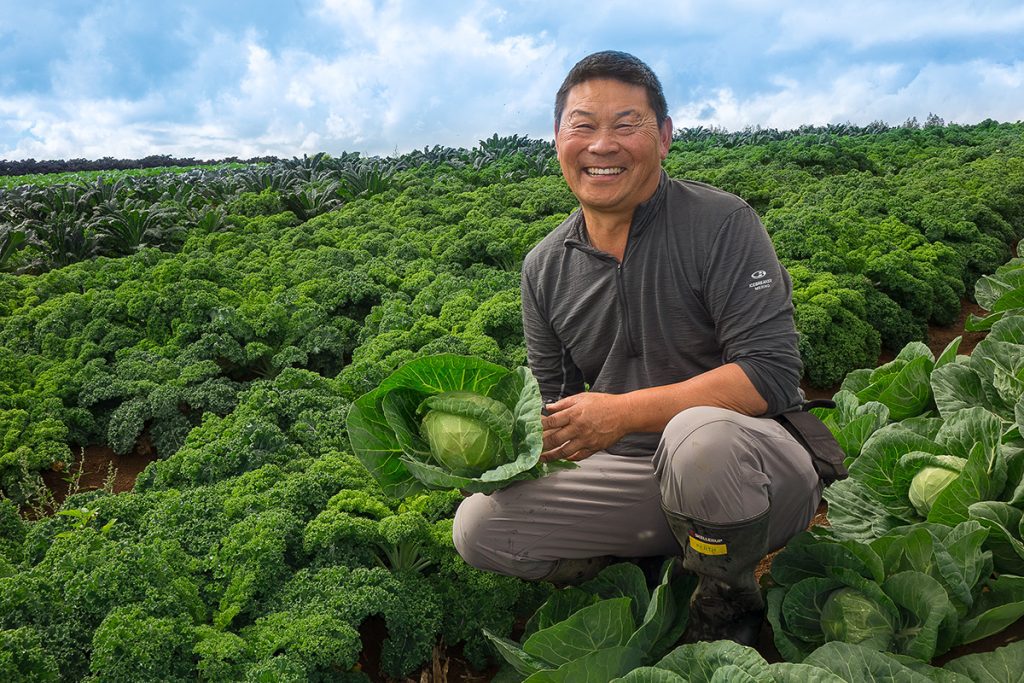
<point x="659" y="325"/>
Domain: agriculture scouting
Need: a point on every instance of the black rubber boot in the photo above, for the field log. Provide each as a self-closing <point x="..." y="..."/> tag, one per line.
<point x="727" y="604"/>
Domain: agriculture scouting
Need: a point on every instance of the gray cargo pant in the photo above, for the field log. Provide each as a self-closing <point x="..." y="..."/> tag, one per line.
<point x="712" y="465"/>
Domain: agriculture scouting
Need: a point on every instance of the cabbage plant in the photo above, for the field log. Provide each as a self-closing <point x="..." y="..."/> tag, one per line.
<point x="917" y="590"/>
<point x="449" y="421"/>
<point x="723" y="661"/>
<point x="896" y="479"/>
<point x="602" y="629"/>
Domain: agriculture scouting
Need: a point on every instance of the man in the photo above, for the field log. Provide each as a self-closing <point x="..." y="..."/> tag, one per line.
<point x="659" y="324"/>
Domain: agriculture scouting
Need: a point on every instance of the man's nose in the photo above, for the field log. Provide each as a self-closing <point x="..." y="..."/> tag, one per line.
<point x="604" y="141"/>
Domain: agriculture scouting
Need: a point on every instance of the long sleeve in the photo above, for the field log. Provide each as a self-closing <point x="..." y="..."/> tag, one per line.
<point x="749" y="296"/>
<point x="549" y="360"/>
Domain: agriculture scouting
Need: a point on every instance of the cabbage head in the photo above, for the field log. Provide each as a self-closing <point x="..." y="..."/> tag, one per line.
<point x="449" y="421"/>
<point x="468" y="433"/>
<point x="852" y="617"/>
<point x="930" y="481"/>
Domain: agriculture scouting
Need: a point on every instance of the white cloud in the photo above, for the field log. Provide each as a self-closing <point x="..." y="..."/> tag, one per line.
<point x="410" y="84"/>
<point x="962" y="93"/>
<point x="867" y="24"/>
<point x="408" y="80"/>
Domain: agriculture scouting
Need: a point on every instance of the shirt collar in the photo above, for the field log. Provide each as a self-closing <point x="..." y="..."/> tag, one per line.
<point x="643" y="216"/>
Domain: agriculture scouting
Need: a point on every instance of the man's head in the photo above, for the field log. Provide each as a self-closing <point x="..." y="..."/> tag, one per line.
<point x="619" y="66"/>
<point x="611" y="135"/>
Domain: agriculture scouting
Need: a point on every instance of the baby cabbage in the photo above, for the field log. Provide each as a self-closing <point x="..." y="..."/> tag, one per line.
<point x="852" y="617"/>
<point x="927" y="484"/>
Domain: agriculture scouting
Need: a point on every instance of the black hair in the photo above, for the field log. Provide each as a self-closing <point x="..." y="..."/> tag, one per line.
<point x="620" y="66"/>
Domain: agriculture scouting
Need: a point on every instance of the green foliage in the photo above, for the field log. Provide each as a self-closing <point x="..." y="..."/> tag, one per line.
<point x="315" y="643"/>
<point x="83" y="577"/>
<point x="12" y="532"/>
<point x="1001" y="294"/>
<point x="876" y="497"/>
<point x="131" y="645"/>
<point x="405" y="602"/>
<point x="852" y="617"/>
<point x="269" y="571"/>
<point x="275" y="422"/>
<point x="251" y="204"/>
<point x="253" y="560"/>
<point x="830" y="319"/>
<point x="605" y="628"/>
<point x="230" y="317"/>
<point x="23" y="657"/>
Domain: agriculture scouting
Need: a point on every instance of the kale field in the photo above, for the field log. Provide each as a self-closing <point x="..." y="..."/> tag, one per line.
<point x="209" y="327"/>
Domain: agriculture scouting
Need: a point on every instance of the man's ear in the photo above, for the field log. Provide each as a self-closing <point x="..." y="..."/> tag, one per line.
<point x="665" y="136"/>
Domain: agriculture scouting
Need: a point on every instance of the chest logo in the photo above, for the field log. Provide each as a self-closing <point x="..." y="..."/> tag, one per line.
<point x="758" y="274"/>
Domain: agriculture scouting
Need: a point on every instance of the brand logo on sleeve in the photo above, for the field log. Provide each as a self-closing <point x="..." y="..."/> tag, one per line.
<point x="760" y="280"/>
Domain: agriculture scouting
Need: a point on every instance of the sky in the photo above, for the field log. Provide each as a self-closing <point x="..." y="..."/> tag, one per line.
<point x="209" y="79"/>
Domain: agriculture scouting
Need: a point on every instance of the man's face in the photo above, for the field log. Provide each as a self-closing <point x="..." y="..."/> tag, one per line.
<point x="609" y="145"/>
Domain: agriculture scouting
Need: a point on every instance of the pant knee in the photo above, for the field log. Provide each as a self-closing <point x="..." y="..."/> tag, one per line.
<point x="486" y="543"/>
<point x="708" y="469"/>
<point x="468" y="533"/>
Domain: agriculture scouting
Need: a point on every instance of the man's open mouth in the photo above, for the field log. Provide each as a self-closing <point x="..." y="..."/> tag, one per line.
<point x="605" y="171"/>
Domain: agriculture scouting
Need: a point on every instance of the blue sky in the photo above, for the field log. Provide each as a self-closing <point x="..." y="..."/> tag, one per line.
<point x="209" y="78"/>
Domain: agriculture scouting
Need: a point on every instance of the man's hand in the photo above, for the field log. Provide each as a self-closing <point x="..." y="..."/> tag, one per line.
<point x="578" y="426"/>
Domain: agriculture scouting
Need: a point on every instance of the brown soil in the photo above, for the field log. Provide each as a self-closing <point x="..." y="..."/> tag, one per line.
<point x="97" y="467"/>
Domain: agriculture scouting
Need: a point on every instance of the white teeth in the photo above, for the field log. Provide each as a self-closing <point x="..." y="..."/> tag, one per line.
<point x="605" y="171"/>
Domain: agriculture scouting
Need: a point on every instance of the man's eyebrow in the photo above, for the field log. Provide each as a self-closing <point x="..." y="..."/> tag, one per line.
<point x="618" y="114"/>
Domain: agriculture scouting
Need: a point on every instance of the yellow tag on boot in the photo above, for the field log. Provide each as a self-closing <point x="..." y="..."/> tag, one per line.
<point x="708" y="546"/>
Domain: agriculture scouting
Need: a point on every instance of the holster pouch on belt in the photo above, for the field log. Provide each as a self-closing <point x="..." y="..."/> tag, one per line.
<point x="826" y="453"/>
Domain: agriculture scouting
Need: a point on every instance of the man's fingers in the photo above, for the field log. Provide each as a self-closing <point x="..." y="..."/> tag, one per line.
<point x="560" y="404"/>
<point x="580" y="455"/>
<point x="567" y="450"/>
<point x="554" y="421"/>
<point x="552" y="439"/>
<point x="556" y="453"/>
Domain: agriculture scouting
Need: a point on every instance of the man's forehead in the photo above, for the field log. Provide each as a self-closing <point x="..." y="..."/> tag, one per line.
<point x="607" y="84"/>
<point x="588" y="96"/>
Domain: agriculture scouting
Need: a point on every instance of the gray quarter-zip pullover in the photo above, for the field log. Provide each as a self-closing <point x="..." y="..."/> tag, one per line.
<point x="699" y="286"/>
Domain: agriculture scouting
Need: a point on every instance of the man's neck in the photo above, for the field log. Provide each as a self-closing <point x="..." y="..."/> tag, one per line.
<point x="608" y="232"/>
